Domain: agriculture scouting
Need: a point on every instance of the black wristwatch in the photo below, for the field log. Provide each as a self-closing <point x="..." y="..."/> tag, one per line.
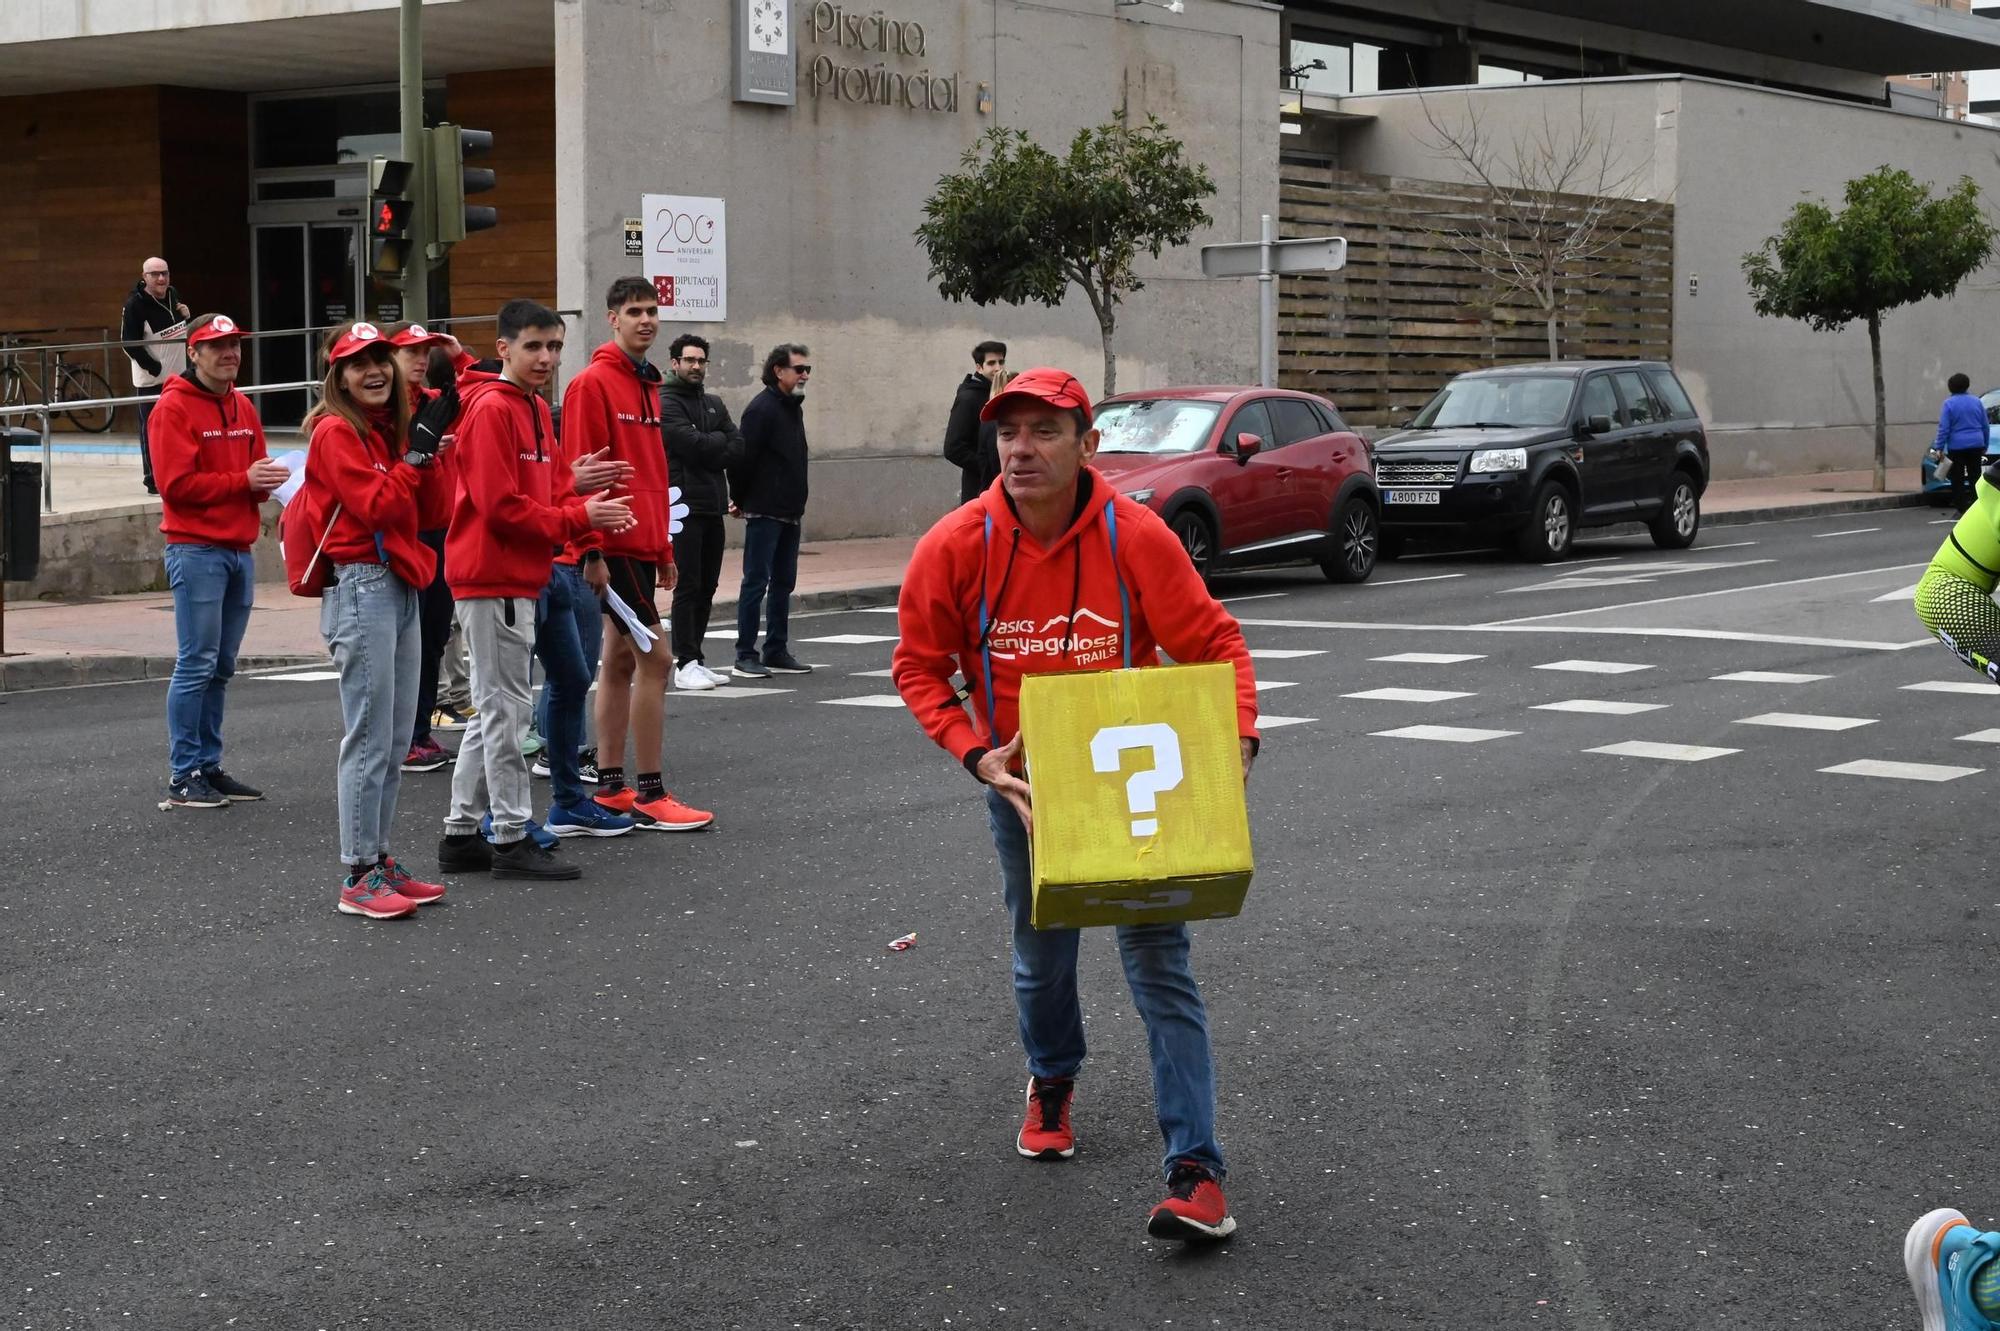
<point x="416" y="459"/>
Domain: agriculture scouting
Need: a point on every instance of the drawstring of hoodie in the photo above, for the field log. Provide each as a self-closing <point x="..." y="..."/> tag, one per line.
<point x="225" y="401"/>
<point x="992" y="615"/>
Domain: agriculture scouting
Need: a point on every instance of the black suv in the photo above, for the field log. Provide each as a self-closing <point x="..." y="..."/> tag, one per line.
<point x="1533" y="452"/>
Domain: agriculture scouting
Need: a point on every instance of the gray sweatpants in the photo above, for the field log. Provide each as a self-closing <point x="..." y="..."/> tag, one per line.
<point x="454" y="689"/>
<point x="491" y="772"/>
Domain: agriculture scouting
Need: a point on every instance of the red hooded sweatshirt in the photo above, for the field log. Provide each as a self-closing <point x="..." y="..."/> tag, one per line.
<point x="384" y="501"/>
<point x="515" y="504"/>
<point x="611" y="405"/>
<point x="202" y="445"/>
<point x="1051" y="609"/>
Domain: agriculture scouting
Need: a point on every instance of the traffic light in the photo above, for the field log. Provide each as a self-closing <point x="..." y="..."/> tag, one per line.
<point x="388" y="216"/>
<point x="452" y="180"/>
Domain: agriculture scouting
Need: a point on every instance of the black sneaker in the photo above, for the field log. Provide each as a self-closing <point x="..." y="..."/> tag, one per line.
<point x="784" y="663"/>
<point x="464" y="854"/>
<point x="749" y="667"/>
<point x="525" y="859"/>
<point x="586" y="765"/>
<point x="230" y="788"/>
<point x="194" y="792"/>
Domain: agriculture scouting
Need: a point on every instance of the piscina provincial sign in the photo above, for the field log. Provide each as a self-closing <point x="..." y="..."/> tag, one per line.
<point x="844" y="73"/>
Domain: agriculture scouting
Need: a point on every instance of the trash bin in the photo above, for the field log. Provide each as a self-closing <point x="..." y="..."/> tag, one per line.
<point x="20" y="508"/>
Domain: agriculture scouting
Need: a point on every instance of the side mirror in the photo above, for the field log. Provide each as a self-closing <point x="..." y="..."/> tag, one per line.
<point x="1247" y="446"/>
<point x="1594" y="425"/>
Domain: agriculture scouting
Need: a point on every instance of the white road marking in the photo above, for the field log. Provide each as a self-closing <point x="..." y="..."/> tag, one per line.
<point x="852" y="639"/>
<point x="1900" y="594"/>
<point x="1805" y="721"/>
<point x="1398" y="582"/>
<point x="1600" y="707"/>
<point x="1254" y="596"/>
<point x="1719" y="591"/>
<point x="1407" y="695"/>
<point x="1284" y="653"/>
<point x="1982" y="737"/>
<point x="731" y="691"/>
<point x="1427" y="658"/>
<point x="1852" y="531"/>
<point x="865" y="700"/>
<point x="1944" y="522"/>
<point x="1733" y="545"/>
<point x="303" y="676"/>
<point x="1445" y="734"/>
<point x="1264" y="684"/>
<point x="1673" y="753"/>
<point x="1519" y="626"/>
<point x="1949" y="686"/>
<point x="1637" y="572"/>
<point x="1594" y="667"/>
<point x="1769" y="677"/>
<point x="870" y="674"/>
<point x="1275" y="722"/>
<point x="1902" y="771"/>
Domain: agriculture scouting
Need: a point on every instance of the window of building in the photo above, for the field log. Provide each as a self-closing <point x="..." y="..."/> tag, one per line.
<point x="1347" y="67"/>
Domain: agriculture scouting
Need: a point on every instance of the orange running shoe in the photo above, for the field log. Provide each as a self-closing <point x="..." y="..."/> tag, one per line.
<point x="620" y="800"/>
<point x="416" y="889"/>
<point x="667" y="814"/>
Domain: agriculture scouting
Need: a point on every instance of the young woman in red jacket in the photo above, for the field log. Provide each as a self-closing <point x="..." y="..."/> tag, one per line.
<point x="372" y="476"/>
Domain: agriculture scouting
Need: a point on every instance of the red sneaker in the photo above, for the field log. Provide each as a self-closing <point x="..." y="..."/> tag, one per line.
<point x="414" y="888"/>
<point x="1194" y="1209"/>
<point x="667" y="814"/>
<point x="620" y="800"/>
<point x="372" y="896"/>
<point x="1046" y="1134"/>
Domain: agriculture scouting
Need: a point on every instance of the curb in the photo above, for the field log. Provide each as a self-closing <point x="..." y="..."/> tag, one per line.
<point x="1829" y="508"/>
<point x="68" y="672"/>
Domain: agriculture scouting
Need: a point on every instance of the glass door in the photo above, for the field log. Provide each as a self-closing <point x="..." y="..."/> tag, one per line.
<point x="307" y="275"/>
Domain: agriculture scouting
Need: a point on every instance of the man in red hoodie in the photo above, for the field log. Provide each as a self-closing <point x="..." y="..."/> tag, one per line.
<point x="613" y="403"/>
<point x="210" y="465"/>
<point x="517" y="505"/>
<point x="1052" y="571"/>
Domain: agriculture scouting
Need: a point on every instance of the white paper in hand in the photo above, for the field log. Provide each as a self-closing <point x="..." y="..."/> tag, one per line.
<point x="642" y="637"/>
<point x="676" y="511"/>
<point x="295" y="463"/>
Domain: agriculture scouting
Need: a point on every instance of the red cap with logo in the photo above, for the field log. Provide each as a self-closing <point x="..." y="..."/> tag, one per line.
<point x="1045" y="384"/>
<point x="220" y="326"/>
<point x="416" y="335"/>
<point x="355" y="340"/>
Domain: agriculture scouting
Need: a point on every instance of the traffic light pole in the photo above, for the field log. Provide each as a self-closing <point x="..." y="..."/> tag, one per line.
<point x="417" y="272"/>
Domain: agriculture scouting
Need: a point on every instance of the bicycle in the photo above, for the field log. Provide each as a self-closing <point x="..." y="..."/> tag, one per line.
<point x="73" y="383"/>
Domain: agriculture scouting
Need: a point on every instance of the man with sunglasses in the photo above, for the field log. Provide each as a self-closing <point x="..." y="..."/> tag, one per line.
<point x="768" y="488"/>
<point x="1052" y="571"/>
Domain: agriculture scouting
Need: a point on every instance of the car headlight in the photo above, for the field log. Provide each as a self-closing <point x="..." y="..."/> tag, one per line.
<point x="1500" y="459"/>
<point x="1139" y="496"/>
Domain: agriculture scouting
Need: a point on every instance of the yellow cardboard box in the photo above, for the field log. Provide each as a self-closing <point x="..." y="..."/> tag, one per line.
<point x="1138" y="780"/>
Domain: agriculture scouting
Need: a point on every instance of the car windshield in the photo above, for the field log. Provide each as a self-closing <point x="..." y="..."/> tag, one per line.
<point x="1499" y="400"/>
<point x="1155" y="425"/>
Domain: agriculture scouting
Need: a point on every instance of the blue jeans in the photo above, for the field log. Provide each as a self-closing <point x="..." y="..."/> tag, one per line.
<point x="770" y="564"/>
<point x="213" y="590"/>
<point x="369" y="621"/>
<point x="569" y="634"/>
<point x="1163" y="990"/>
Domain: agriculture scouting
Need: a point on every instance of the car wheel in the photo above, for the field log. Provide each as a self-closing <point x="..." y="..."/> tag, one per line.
<point x="1353" y="543"/>
<point x="1552" y="527"/>
<point x="1680" y="518"/>
<point x="1195" y="538"/>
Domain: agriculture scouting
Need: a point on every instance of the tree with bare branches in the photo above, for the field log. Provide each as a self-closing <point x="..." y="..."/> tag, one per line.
<point x="1557" y="204"/>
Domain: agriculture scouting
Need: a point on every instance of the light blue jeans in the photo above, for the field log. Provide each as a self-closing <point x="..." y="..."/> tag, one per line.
<point x="1163" y="990"/>
<point x="369" y="621"/>
<point x="213" y="591"/>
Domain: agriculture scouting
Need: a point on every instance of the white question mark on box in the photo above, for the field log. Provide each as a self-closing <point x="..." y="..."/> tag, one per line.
<point x="1142" y="791"/>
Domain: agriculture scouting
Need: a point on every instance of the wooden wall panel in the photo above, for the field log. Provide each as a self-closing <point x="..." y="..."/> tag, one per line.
<point x="518" y="257"/>
<point x="1409" y="311"/>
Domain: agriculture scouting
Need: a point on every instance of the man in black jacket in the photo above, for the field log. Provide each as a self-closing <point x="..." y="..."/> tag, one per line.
<point x="702" y="444"/>
<point x="968" y="445"/>
<point x="768" y="487"/>
<point x="152" y="326"/>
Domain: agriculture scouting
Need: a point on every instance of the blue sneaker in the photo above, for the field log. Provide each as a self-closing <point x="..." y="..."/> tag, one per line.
<point x="586" y="819"/>
<point x="536" y="832"/>
<point x="1942" y="1253"/>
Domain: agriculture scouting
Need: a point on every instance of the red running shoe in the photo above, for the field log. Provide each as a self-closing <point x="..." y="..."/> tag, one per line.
<point x="667" y="814"/>
<point x="1046" y="1134"/>
<point x="426" y="755"/>
<point x="620" y="800"/>
<point x="1194" y="1209"/>
<point x="371" y="895"/>
<point x="414" y="888"/>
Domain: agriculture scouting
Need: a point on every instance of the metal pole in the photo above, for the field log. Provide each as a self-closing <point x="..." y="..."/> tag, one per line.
<point x="1267" y="309"/>
<point x="417" y="272"/>
<point x="48" y="464"/>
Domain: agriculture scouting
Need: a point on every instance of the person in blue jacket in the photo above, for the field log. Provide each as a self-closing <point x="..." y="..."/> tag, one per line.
<point x="1961" y="437"/>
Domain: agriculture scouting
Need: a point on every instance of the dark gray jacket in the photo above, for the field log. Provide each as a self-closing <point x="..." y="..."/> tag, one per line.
<point x="702" y="444"/>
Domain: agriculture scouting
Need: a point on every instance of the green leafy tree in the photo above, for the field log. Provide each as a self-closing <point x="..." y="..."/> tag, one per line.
<point x="1019" y="224"/>
<point x="1893" y="244"/>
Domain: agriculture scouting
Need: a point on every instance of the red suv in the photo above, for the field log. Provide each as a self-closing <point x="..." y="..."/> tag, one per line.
<point x="1246" y="476"/>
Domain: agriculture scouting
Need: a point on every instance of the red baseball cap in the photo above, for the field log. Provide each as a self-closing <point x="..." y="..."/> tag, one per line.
<point x="355" y="340"/>
<point x="416" y="335"/>
<point x="1045" y="384"/>
<point x="220" y="326"/>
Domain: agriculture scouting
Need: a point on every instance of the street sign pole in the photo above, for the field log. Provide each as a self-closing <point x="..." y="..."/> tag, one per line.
<point x="1266" y="259"/>
<point x="1267" y="309"/>
<point x="417" y="273"/>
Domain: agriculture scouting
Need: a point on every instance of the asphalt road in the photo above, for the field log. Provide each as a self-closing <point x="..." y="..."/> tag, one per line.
<point x="1514" y="1031"/>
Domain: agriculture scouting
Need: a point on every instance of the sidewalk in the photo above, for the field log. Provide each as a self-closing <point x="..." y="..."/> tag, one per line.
<point x="117" y="638"/>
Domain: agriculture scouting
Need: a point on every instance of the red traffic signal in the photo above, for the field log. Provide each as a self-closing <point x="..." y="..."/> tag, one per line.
<point x="390" y="218"/>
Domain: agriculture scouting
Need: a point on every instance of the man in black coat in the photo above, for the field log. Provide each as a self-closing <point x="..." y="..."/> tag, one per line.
<point x="702" y="444"/>
<point x="971" y="447"/>
<point x="152" y="326"/>
<point x="768" y="487"/>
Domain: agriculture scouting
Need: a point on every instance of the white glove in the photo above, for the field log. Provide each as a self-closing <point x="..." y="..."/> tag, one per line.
<point x="676" y="512"/>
